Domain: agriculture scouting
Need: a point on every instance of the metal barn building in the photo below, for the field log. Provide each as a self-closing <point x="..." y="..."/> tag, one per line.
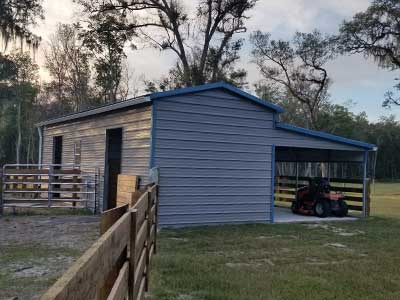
<point x="215" y="146"/>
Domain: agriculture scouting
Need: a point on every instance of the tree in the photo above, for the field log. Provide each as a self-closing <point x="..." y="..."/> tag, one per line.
<point x="18" y="108"/>
<point x="166" y="25"/>
<point x="107" y="44"/>
<point x="16" y="17"/>
<point x="376" y="33"/>
<point x="298" y="66"/>
<point x="67" y="61"/>
<point x="385" y="134"/>
<point x="295" y="112"/>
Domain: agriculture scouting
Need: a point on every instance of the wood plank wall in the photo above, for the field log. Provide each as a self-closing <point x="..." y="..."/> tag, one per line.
<point x="91" y="132"/>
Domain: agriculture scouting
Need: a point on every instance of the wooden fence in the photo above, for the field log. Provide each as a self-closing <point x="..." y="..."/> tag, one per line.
<point x="117" y="265"/>
<point x="286" y="186"/>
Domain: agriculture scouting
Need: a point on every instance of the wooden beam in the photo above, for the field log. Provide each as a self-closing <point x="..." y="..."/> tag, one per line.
<point x="120" y="288"/>
<point x="109" y="217"/>
<point x="81" y="279"/>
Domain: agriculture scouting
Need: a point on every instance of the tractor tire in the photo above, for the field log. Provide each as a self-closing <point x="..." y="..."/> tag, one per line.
<point x="322" y="208"/>
<point x="294" y="207"/>
<point x="343" y="209"/>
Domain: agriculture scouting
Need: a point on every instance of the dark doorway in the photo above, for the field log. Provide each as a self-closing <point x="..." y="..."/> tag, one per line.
<point x="57" y="160"/>
<point x="112" y="166"/>
<point x="57" y="150"/>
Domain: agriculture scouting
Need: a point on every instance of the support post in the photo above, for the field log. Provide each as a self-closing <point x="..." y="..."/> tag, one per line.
<point x="272" y="207"/>
<point x="1" y="190"/>
<point x="148" y="240"/>
<point x="365" y="198"/>
<point x="40" y="132"/>
<point x="368" y="197"/>
<point x="329" y="171"/>
<point x="50" y="186"/>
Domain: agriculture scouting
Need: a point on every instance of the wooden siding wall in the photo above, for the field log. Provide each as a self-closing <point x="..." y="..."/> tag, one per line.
<point x="136" y="124"/>
<point x="214" y="154"/>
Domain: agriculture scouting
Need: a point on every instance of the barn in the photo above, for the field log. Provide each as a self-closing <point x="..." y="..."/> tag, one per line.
<point x="216" y="148"/>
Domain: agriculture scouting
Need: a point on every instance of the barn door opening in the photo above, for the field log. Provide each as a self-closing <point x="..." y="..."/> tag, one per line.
<point x="57" y="159"/>
<point x="112" y="166"/>
<point x="57" y="150"/>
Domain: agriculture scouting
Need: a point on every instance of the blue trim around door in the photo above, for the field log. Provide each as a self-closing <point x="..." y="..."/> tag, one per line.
<point x="273" y="184"/>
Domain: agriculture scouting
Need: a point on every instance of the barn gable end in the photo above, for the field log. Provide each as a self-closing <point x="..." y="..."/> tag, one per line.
<point x="214" y="154"/>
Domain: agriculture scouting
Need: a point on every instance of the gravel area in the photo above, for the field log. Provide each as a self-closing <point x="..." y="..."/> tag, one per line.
<point x="36" y="250"/>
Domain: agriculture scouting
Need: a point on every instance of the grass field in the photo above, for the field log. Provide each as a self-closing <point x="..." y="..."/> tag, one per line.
<point x="386" y="199"/>
<point x="341" y="260"/>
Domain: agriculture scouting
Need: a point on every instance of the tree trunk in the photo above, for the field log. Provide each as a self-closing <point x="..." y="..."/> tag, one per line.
<point x="19" y="135"/>
<point x="28" y="148"/>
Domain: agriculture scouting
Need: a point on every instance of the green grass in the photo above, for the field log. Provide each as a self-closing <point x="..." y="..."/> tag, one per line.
<point x="386" y="199"/>
<point x="346" y="260"/>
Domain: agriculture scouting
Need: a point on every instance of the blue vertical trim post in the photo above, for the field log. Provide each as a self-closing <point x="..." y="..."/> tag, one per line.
<point x="364" y="198"/>
<point x="153" y="134"/>
<point x="273" y="184"/>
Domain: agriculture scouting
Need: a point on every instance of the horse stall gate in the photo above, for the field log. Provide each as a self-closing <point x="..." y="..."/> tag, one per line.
<point x="48" y="186"/>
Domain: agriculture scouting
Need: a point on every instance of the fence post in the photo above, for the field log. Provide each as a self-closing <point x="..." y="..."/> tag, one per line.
<point x="1" y="191"/>
<point x="368" y="198"/>
<point x="148" y="240"/>
<point x="132" y="255"/>
<point x="156" y="219"/>
<point x="96" y="188"/>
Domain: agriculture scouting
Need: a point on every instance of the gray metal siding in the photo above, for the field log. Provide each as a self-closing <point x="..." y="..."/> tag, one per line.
<point x="136" y="124"/>
<point x="214" y="156"/>
<point x="287" y="138"/>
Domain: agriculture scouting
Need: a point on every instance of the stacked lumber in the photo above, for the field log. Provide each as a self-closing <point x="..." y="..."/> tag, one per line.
<point x="128" y="190"/>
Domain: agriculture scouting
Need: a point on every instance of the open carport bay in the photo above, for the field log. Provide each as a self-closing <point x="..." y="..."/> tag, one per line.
<point x="285" y="215"/>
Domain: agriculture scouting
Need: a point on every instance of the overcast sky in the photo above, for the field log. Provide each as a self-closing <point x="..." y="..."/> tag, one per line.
<point x="354" y="78"/>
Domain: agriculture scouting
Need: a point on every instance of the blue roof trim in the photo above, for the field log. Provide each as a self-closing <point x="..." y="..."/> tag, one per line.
<point x="325" y="136"/>
<point x="216" y="85"/>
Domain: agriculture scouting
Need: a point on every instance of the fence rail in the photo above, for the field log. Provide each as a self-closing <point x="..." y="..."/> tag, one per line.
<point x="48" y="186"/>
<point x="117" y="265"/>
<point x="353" y="189"/>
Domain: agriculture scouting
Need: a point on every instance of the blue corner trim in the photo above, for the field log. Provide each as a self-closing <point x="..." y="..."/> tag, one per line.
<point x="211" y="86"/>
<point x="325" y="136"/>
<point x="273" y="184"/>
<point x="153" y="134"/>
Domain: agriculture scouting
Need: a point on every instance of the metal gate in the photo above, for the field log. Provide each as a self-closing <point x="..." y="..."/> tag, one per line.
<point x="49" y="186"/>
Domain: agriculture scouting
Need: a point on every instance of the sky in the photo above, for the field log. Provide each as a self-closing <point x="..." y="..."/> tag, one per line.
<point x="354" y="78"/>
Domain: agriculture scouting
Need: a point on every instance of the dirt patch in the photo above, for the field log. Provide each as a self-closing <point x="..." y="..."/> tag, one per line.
<point x="334" y="229"/>
<point x="36" y="250"/>
<point x="336" y="245"/>
<point x="178" y="239"/>
<point x="318" y="262"/>
<point x="253" y="263"/>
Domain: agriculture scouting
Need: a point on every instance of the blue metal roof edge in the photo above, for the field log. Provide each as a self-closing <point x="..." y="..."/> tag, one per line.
<point x="327" y="136"/>
<point x="215" y="85"/>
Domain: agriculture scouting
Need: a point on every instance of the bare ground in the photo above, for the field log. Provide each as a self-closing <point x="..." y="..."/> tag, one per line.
<point x="36" y="250"/>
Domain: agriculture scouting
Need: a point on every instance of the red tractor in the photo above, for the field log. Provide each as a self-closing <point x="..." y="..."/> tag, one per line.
<point x="317" y="199"/>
